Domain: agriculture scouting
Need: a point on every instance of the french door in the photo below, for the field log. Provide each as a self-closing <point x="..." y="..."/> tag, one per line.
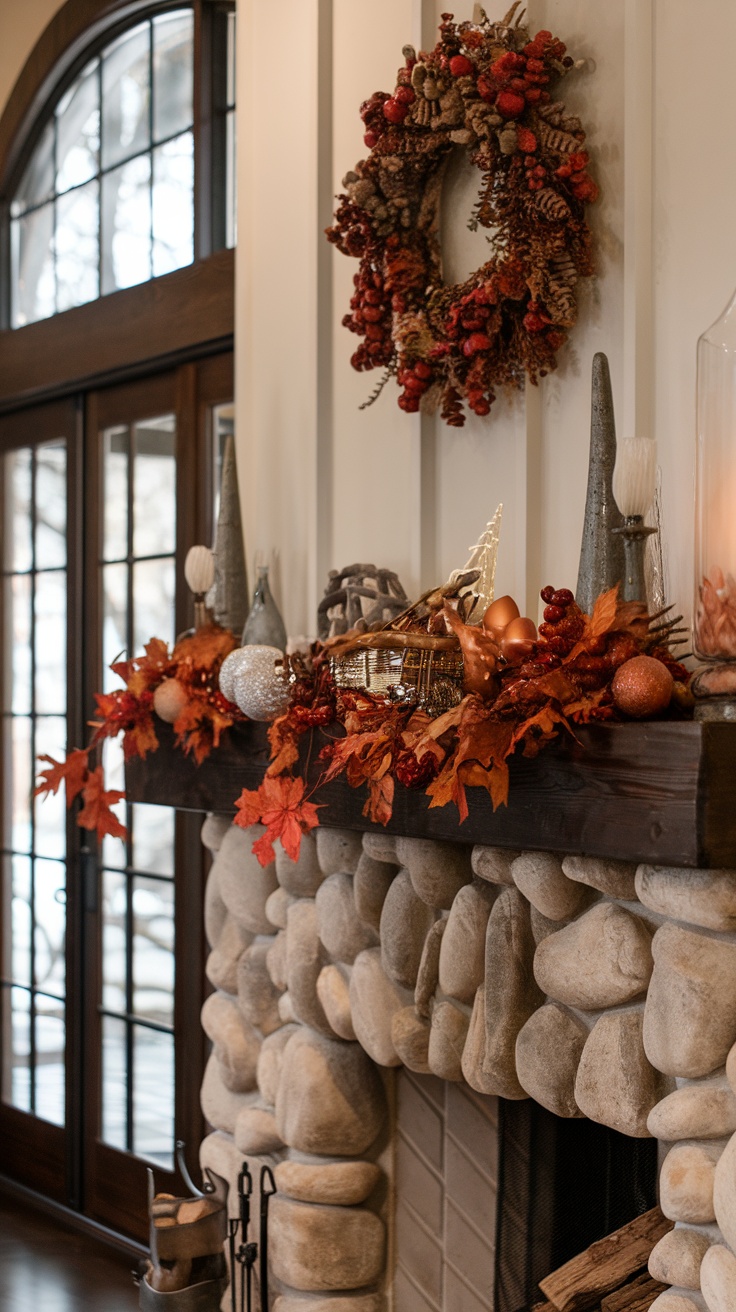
<point x="101" y="1049"/>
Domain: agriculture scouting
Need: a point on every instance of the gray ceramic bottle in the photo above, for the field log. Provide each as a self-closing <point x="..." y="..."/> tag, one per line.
<point x="264" y="625"/>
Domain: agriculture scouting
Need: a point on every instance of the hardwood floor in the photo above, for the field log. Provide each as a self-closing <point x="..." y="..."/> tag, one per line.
<point x="45" y="1267"/>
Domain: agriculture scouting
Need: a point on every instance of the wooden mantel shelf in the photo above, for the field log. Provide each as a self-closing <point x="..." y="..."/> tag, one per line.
<point x="661" y="792"/>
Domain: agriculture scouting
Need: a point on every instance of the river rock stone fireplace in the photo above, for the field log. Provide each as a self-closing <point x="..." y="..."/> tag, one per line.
<point x="598" y="988"/>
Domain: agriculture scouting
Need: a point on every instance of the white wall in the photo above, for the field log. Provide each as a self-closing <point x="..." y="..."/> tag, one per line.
<point x="694" y="238"/>
<point x="327" y="483"/>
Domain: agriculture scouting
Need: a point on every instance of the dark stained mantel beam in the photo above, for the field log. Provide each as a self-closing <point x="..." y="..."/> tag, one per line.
<point x="662" y="792"/>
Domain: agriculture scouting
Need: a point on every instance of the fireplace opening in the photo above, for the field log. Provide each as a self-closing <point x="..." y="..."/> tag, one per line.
<point x="491" y="1196"/>
<point x="563" y="1184"/>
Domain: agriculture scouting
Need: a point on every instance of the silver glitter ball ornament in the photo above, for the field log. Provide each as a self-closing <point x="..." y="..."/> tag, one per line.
<point x="228" y="670"/>
<point x="260" y="689"/>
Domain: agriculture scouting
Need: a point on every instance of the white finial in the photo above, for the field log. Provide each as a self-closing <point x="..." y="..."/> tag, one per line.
<point x="635" y="476"/>
<point x="199" y="569"/>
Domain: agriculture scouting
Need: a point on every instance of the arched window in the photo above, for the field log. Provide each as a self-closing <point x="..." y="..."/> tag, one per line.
<point x="117" y="192"/>
<point x="106" y="199"/>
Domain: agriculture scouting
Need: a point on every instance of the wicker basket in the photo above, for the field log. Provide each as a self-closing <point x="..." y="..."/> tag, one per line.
<point x="404" y="667"/>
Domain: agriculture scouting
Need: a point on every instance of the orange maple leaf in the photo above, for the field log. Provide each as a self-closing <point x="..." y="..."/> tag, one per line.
<point x="141" y="738"/>
<point x="205" y="649"/>
<point x="380" y="804"/>
<point x="495" y="781"/>
<point x="357" y="755"/>
<point x="489" y="741"/>
<point x="547" y="720"/>
<point x="141" y="673"/>
<point x="72" y="772"/>
<point x="283" y="741"/>
<point x="445" y="788"/>
<point x="96" y="814"/>
<point x="199" y="727"/>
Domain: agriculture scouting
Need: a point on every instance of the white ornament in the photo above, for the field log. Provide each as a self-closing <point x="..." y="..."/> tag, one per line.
<point x="228" y="670"/>
<point x="260" y="689"/>
<point x="199" y="569"/>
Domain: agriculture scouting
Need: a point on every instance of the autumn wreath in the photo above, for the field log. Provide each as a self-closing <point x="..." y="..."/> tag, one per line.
<point x="486" y="87"/>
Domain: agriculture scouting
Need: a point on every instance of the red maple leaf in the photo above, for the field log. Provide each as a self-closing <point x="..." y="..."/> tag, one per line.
<point x="282" y="808"/>
<point x="96" y="814"/>
<point x="121" y="711"/>
<point x="249" y="807"/>
<point x="72" y="772"/>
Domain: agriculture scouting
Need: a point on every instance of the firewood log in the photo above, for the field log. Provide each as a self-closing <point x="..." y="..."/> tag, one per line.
<point x="582" y="1283"/>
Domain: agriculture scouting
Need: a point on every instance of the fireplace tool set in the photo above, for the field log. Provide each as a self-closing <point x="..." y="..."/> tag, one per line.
<point x="187" y="1270"/>
<point x="244" y="1252"/>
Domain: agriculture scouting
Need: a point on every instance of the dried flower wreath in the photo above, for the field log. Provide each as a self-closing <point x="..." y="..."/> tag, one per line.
<point x="484" y="87"/>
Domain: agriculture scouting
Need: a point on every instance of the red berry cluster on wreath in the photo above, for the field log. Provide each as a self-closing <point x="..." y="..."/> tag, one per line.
<point x="371" y="317"/>
<point x="415" y="381"/>
<point x="574" y="169"/>
<point x="520" y="78"/>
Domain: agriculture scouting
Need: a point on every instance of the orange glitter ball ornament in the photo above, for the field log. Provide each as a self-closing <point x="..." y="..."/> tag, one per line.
<point x="642" y="686"/>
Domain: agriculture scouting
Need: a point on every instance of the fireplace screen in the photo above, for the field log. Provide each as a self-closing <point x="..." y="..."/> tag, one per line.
<point x="563" y="1184"/>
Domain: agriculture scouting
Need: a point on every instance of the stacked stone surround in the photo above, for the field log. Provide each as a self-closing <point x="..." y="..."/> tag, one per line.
<point x="598" y="988"/>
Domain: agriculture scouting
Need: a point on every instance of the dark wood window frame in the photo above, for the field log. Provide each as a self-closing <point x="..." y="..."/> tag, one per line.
<point x="179" y="316"/>
<point x="180" y="323"/>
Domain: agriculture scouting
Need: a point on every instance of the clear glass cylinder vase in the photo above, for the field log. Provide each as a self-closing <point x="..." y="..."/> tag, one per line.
<point x="714" y="613"/>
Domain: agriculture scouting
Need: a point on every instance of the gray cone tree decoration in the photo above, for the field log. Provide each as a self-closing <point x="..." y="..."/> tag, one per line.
<point x="601" y="552"/>
<point x="231" y="583"/>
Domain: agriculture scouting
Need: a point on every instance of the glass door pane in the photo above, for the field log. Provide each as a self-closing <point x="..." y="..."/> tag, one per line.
<point x="137" y="583"/>
<point x="34" y="851"/>
<point x="143" y="467"/>
<point x="38" y="869"/>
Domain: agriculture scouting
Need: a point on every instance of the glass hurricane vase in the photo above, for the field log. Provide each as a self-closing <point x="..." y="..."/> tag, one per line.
<point x="714" y="614"/>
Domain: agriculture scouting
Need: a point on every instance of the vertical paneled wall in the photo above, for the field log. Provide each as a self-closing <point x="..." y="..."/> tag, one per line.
<point x="326" y="483"/>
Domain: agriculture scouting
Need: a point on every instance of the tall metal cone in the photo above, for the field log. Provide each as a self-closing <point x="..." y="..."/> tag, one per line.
<point x="601" y="551"/>
<point x="231" y="582"/>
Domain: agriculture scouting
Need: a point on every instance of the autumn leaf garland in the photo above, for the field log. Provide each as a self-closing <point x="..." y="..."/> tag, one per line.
<point x="566" y="682"/>
<point x="371" y="742"/>
<point x="195" y="664"/>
